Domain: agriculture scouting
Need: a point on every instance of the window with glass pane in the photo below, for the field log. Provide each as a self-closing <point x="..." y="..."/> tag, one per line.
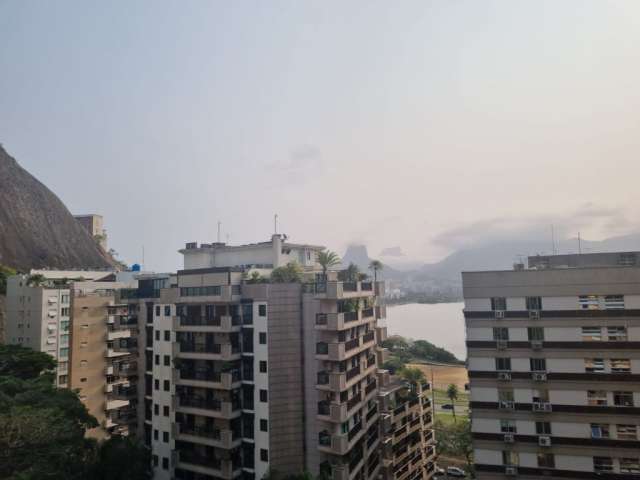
<point x="507" y="426"/>
<point x="594" y="365"/>
<point x="505" y="395"/>
<point x="540" y="396"/>
<point x="538" y="364"/>
<point x="627" y="432"/>
<point x="535" y="333"/>
<point x="589" y="302"/>
<point x="596" y="398"/>
<point x="543" y="428"/>
<point x="500" y="333"/>
<point x="534" y="303"/>
<point x="620" y="365"/>
<point x="617" y="334"/>
<point x="546" y="460"/>
<point x="498" y="303"/>
<point x="509" y="457"/>
<point x="503" y="364"/>
<point x="630" y="465"/>
<point x="591" y="334"/>
<point x="599" y="430"/>
<point x="623" y="399"/>
<point x="614" y="302"/>
<point x="602" y="464"/>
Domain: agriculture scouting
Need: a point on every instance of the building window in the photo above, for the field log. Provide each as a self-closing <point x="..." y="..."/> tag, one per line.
<point x="165" y="463"/>
<point x="543" y="428"/>
<point x="620" y="365"/>
<point x="165" y="411"/>
<point x="500" y="333"/>
<point x="606" y="302"/>
<point x="157" y="310"/>
<point x="503" y="364"/>
<point x="594" y="365"/>
<point x="509" y="457"/>
<point x="155" y="460"/>
<point x="262" y="338"/>
<point x="617" y="334"/>
<point x="167" y="335"/>
<point x="157" y="359"/>
<point x="264" y="425"/>
<point x="535" y="334"/>
<point x="156" y="384"/>
<point x="158" y="335"/>
<point x="167" y="311"/>
<point x="602" y="464"/>
<point x="156" y="409"/>
<point x="498" y="303"/>
<point x="62" y="379"/>
<point x="155" y="434"/>
<point x="597" y="398"/>
<point x="201" y="291"/>
<point x="507" y="426"/>
<point x="538" y="364"/>
<point x="505" y="395"/>
<point x="627" y="432"/>
<point x="83" y="380"/>
<point x="591" y="334"/>
<point x="263" y="366"/>
<point x="630" y="465"/>
<point x="64" y="299"/>
<point x="264" y="455"/>
<point x="546" y="460"/>
<point x="534" y="303"/>
<point x="262" y="310"/>
<point x="167" y="385"/>
<point x="167" y="360"/>
<point x="599" y="430"/>
<point x="64" y="311"/>
<point x="623" y="399"/>
<point x="64" y="326"/>
<point x="263" y="395"/>
<point x="64" y="352"/>
<point x="165" y="437"/>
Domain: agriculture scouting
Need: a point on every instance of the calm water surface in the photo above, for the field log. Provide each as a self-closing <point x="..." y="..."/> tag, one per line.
<point x="440" y="323"/>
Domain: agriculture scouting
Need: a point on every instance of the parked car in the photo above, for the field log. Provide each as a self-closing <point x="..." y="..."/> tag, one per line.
<point x="456" y="472"/>
<point x="439" y="472"/>
<point x="447" y="406"/>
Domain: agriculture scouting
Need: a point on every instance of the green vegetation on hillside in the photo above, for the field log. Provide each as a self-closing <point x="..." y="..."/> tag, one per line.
<point x="5" y="272"/>
<point x="405" y="351"/>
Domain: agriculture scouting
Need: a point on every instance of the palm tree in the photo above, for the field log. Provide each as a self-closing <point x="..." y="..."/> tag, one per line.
<point x="376" y="266"/>
<point x="328" y="259"/>
<point x="351" y="273"/>
<point x="412" y="375"/>
<point x="452" y="393"/>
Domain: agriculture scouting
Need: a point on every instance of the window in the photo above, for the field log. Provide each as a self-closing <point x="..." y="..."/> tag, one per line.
<point x="503" y="364"/>
<point x="165" y="463"/>
<point x="594" y="365"/>
<point x="534" y="303"/>
<point x="597" y="398"/>
<point x="62" y="379"/>
<point x="167" y="311"/>
<point x="630" y="465"/>
<point x="165" y="411"/>
<point x="155" y="434"/>
<point x="64" y="352"/>
<point x="505" y="395"/>
<point x="64" y="311"/>
<point x="538" y="364"/>
<point x="158" y="335"/>
<point x="546" y="460"/>
<point x="262" y="310"/>
<point x="64" y="298"/>
<point x="167" y="335"/>
<point x="535" y="333"/>
<point x="602" y="464"/>
<point x="509" y="457"/>
<point x="64" y="326"/>
<point x="262" y="338"/>
<point x="263" y="395"/>
<point x="157" y="310"/>
<point x="620" y="365"/>
<point x="155" y="460"/>
<point x="264" y="455"/>
<point x="167" y="385"/>
<point x="156" y="409"/>
<point x="264" y="425"/>
<point x="614" y="302"/>
<point x="627" y="432"/>
<point x="83" y="380"/>
<point x="591" y="334"/>
<point x="500" y="333"/>
<point x="607" y="302"/>
<point x="599" y="430"/>
<point x="498" y="303"/>
<point x="167" y="360"/>
<point x="623" y="399"/>
<point x="157" y="359"/>
<point x="201" y="291"/>
<point x="507" y="426"/>
<point x="617" y="334"/>
<point x="543" y="428"/>
<point x="165" y="437"/>
<point x="156" y="384"/>
<point x="263" y="366"/>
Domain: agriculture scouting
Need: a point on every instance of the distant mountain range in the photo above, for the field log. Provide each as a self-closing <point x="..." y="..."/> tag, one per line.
<point x="494" y="256"/>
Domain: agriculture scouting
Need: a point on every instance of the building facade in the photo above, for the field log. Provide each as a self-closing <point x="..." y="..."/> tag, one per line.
<point x="94" y="225"/>
<point x="554" y="367"/>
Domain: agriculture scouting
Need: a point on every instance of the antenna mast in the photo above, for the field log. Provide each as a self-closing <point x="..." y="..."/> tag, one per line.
<point x="553" y="240"/>
<point x="275" y="223"/>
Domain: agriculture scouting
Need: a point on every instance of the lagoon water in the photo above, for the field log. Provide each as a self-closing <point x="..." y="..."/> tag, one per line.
<point x="440" y="323"/>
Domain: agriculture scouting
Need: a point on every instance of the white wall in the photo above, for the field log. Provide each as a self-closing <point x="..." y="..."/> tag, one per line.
<point x="482" y="364"/>
<point x="484" y="394"/>
<point x="487" y="457"/>
<point x="580" y="463"/>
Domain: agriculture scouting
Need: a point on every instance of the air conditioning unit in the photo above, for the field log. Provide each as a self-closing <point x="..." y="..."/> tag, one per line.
<point x="506" y="405"/>
<point x="541" y="407"/>
<point x="509" y="438"/>
<point x="544" y="441"/>
<point x="499" y="313"/>
<point x="505" y="376"/>
<point x="534" y="314"/>
<point x="536" y="344"/>
<point x="539" y="377"/>
<point x="510" y="470"/>
<point x="501" y="344"/>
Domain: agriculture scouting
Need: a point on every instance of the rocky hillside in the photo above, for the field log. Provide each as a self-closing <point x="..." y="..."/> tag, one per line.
<point x="36" y="229"/>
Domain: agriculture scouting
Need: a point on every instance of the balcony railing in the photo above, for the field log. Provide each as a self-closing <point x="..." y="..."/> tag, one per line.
<point x="204" y="376"/>
<point x="351" y="344"/>
<point x="371" y="413"/>
<point x="353" y="372"/>
<point x="368" y="337"/>
<point x="366" y="286"/>
<point x="350" y="317"/>
<point x="367" y="312"/>
<point x="354" y="431"/>
<point x="204" y="403"/>
<point x="200" y="348"/>
<point x="200" y="431"/>
<point x="371" y="387"/>
<point x="349" y="286"/>
<point x="353" y="401"/>
<point x="323" y="378"/>
<point x="198" y="459"/>
<point x="321" y="319"/>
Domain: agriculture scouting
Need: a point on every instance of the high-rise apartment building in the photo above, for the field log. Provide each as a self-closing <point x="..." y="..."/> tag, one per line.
<point x="554" y="367"/>
<point x="94" y="225"/>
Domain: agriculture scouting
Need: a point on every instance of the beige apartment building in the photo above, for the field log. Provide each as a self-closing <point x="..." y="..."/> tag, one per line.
<point x="554" y="367"/>
<point x="94" y="225"/>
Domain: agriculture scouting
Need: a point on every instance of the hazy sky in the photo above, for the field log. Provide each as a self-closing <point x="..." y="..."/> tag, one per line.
<point x="419" y="124"/>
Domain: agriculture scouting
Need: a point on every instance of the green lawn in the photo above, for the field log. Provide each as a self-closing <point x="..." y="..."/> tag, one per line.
<point x="441" y="398"/>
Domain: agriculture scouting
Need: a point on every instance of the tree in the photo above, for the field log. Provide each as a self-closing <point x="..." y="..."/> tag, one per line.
<point x="36" y="280"/>
<point x="394" y="364"/>
<point x="454" y="440"/>
<point x="376" y="266"/>
<point x="24" y="363"/>
<point x="412" y="375"/>
<point x="5" y="272"/>
<point x="328" y="259"/>
<point x="351" y="273"/>
<point x="122" y="458"/>
<point x="290" y="273"/>
<point x="452" y="393"/>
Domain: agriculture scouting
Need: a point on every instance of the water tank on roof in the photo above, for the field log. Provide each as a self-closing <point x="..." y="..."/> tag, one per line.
<point x="135" y="267"/>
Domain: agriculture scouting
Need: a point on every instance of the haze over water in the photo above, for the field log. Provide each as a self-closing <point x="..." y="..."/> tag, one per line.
<point x="441" y="324"/>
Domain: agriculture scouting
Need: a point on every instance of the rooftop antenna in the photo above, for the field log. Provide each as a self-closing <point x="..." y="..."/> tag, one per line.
<point x="219" y="225"/>
<point x="553" y="240"/>
<point x="275" y="223"/>
<point x="579" y="244"/>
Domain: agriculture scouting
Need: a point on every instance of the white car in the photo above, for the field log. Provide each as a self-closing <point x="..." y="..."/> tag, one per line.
<point x="456" y="472"/>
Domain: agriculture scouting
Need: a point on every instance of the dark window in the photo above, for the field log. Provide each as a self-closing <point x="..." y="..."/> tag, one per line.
<point x="167" y="311"/>
<point x="262" y="310"/>
<point x="167" y="360"/>
<point x="535" y="333"/>
<point x="264" y="455"/>
<point x="534" y="303"/>
<point x="264" y="425"/>
<point x="538" y="364"/>
<point x="263" y="366"/>
<point x="157" y="310"/>
<point x="500" y="333"/>
<point x="167" y="335"/>
<point x="262" y="338"/>
<point x="155" y="460"/>
<point x="156" y="409"/>
<point x="156" y="384"/>
<point x="167" y="385"/>
<point x="503" y="363"/>
<point x="157" y="360"/>
<point x="157" y="334"/>
<point x="165" y="411"/>
<point x="165" y="463"/>
<point x="155" y="434"/>
<point x="498" y="303"/>
<point x="165" y="437"/>
<point x="543" y="428"/>
<point x="263" y="395"/>
<point x="546" y="460"/>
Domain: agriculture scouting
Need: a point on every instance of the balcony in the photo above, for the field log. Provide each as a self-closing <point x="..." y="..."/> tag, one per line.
<point x="340" y="444"/>
<point x="338" y="290"/>
<point x="218" y="293"/>
<point x="206" y="465"/>
<point x="338" y="381"/>
<point x="207" y="351"/>
<point x="341" y="321"/>
<point x="116" y="403"/>
<point x="208" y="407"/>
<point x="117" y="332"/>
<point x="223" y="323"/>
<point x="111" y="353"/>
<point x="207" y="436"/>
<point x="205" y="379"/>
